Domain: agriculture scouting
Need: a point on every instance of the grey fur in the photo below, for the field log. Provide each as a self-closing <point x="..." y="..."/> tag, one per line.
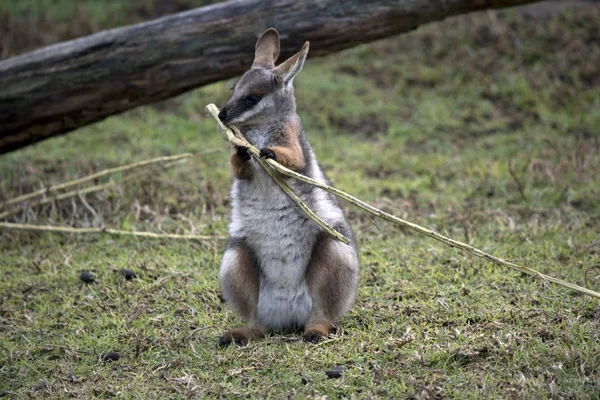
<point x="280" y="237"/>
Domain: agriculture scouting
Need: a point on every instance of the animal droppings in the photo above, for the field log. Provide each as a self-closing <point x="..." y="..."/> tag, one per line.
<point x="128" y="274"/>
<point x="111" y="356"/>
<point x="39" y="386"/>
<point x="334" y="373"/>
<point x="87" y="277"/>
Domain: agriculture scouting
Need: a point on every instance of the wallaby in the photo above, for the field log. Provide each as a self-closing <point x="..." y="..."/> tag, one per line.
<point x="280" y="270"/>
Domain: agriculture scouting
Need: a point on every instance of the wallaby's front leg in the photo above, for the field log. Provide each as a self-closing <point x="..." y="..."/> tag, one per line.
<point x="332" y="281"/>
<point x="240" y="285"/>
<point x="240" y="162"/>
<point x="288" y="152"/>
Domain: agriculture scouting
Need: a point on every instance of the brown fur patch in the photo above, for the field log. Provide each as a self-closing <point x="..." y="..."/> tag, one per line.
<point x="289" y="152"/>
<point x="331" y="284"/>
<point x="241" y="168"/>
<point x="315" y="332"/>
<point x="243" y="283"/>
<point x="241" y="335"/>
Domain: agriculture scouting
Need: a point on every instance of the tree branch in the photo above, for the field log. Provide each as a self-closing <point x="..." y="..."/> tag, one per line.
<point x="68" y="85"/>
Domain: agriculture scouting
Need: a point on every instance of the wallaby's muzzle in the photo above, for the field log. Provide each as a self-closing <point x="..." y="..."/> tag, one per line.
<point x="223" y="114"/>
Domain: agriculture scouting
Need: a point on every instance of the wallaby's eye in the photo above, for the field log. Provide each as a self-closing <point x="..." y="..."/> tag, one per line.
<point x="252" y="99"/>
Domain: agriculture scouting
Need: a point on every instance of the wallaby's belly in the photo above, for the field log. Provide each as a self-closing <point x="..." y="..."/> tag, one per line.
<point x="282" y="308"/>
<point x="282" y="239"/>
<point x="283" y="249"/>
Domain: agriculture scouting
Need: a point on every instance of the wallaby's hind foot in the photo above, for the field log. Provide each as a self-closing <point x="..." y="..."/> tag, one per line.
<point x="241" y="335"/>
<point x="313" y="333"/>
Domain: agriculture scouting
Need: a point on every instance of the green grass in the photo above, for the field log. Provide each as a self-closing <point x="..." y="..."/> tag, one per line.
<point x="100" y="12"/>
<point x="427" y="126"/>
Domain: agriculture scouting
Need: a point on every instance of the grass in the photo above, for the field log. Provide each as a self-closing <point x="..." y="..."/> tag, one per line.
<point x="427" y="126"/>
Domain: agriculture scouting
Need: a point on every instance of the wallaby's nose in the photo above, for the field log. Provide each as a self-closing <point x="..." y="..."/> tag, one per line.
<point x="222" y="115"/>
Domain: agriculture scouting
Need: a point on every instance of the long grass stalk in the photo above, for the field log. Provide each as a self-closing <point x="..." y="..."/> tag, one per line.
<point x="61" y="196"/>
<point x="110" y="231"/>
<point x="95" y="175"/>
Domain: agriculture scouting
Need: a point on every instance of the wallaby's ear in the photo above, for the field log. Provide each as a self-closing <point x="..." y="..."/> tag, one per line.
<point x="267" y="49"/>
<point x="290" y="67"/>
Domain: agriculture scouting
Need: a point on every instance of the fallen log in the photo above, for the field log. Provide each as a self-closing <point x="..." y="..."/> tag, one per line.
<point x="68" y="85"/>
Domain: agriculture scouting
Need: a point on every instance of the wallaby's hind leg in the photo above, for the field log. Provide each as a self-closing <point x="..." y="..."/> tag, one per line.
<point x="240" y="285"/>
<point x="332" y="281"/>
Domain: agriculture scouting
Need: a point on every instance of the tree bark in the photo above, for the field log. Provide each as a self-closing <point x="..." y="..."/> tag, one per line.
<point x="62" y="87"/>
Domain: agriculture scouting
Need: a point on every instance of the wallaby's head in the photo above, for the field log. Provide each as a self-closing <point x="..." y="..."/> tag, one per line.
<point x="265" y="92"/>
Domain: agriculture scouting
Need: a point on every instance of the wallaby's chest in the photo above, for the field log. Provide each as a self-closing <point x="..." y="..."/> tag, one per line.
<point x="281" y="235"/>
<point x="259" y="137"/>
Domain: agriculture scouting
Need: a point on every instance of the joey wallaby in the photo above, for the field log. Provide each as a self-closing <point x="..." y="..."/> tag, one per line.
<point x="280" y="270"/>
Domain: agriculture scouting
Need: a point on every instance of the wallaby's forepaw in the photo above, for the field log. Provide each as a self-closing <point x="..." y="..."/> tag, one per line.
<point x="242" y="153"/>
<point x="266" y="152"/>
<point x="240" y="336"/>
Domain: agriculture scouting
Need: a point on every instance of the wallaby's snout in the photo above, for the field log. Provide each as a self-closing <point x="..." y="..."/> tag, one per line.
<point x="223" y="114"/>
